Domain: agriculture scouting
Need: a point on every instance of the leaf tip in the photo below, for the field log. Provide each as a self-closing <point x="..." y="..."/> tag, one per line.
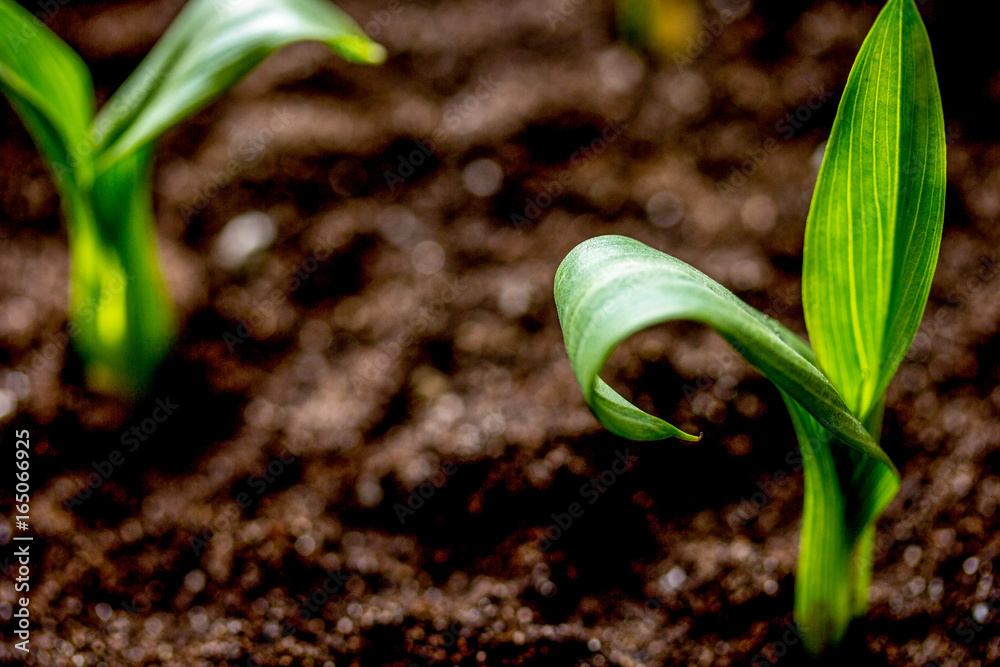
<point x="376" y="53"/>
<point x="358" y="48"/>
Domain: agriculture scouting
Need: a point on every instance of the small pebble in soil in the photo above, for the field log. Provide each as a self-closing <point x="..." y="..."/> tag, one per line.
<point x="428" y="257"/>
<point x="194" y="581"/>
<point x="816" y="159"/>
<point x="673" y="579"/>
<point x="369" y="492"/>
<point x="103" y="611"/>
<point x="665" y="209"/>
<point x="515" y="299"/>
<point x="305" y="545"/>
<point x="19" y="383"/>
<point x="771" y="587"/>
<point x="740" y="550"/>
<point x="971" y="565"/>
<point x="980" y="612"/>
<point x="131" y="530"/>
<point x="199" y="620"/>
<point x="759" y="213"/>
<point x="620" y="70"/>
<point x="749" y="274"/>
<point x="688" y="93"/>
<point x="399" y="226"/>
<point x="243" y="236"/>
<point x="482" y="177"/>
<point x="912" y="554"/>
<point x="945" y="537"/>
<point x="7" y="403"/>
<point x="17" y="315"/>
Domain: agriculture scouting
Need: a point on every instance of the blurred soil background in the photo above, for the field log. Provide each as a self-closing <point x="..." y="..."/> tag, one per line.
<point x="373" y="418"/>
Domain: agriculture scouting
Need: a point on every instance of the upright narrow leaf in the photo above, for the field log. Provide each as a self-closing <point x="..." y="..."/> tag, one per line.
<point x="874" y="226"/>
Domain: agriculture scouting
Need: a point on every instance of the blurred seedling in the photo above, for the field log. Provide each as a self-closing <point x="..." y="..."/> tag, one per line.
<point x="122" y="320"/>
<point x="665" y="28"/>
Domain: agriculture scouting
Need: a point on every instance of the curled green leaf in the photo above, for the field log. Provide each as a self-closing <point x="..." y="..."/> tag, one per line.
<point x="610" y="287"/>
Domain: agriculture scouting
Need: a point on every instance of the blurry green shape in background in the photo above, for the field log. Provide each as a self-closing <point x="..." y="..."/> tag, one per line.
<point x="665" y="28"/>
<point x="122" y="320"/>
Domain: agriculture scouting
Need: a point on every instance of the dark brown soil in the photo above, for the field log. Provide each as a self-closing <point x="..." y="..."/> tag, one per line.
<point x="263" y="523"/>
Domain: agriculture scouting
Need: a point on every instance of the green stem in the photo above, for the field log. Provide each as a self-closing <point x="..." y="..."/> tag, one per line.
<point x="845" y="492"/>
<point x="121" y="316"/>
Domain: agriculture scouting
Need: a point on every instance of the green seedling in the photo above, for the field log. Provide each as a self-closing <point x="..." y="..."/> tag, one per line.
<point x="871" y="246"/>
<point x="122" y="320"/>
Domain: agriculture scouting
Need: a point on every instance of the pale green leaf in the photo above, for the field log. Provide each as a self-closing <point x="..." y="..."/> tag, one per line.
<point x="611" y="287"/>
<point x="209" y="47"/>
<point x="875" y="223"/>
<point x="50" y="89"/>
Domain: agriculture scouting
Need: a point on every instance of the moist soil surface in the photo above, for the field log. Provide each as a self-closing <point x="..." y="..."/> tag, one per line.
<point x="374" y="436"/>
